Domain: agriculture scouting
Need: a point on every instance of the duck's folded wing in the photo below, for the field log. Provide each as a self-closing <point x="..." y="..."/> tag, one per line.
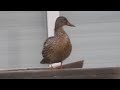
<point x="48" y="47"/>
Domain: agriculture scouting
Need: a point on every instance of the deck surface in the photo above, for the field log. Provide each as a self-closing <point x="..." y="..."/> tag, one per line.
<point x="69" y="72"/>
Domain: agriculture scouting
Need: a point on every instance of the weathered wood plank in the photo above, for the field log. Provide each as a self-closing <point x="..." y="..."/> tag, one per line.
<point x="101" y="76"/>
<point x="74" y="73"/>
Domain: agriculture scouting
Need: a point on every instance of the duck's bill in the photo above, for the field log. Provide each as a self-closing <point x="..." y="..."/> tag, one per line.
<point x="69" y="24"/>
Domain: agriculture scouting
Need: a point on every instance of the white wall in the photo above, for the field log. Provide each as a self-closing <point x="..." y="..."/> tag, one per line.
<point x="96" y="37"/>
<point x="22" y="34"/>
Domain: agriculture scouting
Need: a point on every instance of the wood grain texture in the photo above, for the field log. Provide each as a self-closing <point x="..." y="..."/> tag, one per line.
<point x="68" y="73"/>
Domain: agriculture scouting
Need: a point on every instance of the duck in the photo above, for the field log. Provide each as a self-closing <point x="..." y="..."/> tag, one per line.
<point x="58" y="47"/>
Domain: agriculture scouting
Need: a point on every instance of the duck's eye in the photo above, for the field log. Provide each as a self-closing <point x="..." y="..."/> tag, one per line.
<point x="61" y="21"/>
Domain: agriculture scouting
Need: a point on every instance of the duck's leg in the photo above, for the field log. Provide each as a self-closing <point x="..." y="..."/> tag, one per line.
<point x="51" y="67"/>
<point x="61" y="67"/>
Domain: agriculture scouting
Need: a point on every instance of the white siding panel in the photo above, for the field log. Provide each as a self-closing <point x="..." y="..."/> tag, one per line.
<point x="96" y="37"/>
<point x="22" y="34"/>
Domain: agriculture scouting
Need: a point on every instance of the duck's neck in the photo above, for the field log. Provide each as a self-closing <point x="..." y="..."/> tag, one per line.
<point x="60" y="32"/>
<point x="58" y="25"/>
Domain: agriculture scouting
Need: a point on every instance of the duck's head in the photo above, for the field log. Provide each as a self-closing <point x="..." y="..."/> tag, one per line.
<point x="62" y="21"/>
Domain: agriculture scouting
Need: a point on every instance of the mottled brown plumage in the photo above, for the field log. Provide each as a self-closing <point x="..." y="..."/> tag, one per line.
<point x="57" y="48"/>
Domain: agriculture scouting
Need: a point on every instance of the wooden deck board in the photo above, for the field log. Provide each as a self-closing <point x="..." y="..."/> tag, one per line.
<point x="67" y="73"/>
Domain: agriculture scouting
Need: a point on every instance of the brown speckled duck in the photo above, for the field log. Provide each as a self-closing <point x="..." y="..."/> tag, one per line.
<point x="57" y="48"/>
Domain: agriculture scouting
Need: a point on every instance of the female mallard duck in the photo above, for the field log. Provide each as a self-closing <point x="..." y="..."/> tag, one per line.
<point x="57" y="48"/>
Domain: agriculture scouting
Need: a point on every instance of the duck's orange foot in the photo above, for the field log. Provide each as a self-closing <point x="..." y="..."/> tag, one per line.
<point x="60" y="67"/>
<point x="51" y="68"/>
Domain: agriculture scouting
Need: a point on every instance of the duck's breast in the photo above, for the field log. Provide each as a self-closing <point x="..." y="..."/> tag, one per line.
<point x="63" y="49"/>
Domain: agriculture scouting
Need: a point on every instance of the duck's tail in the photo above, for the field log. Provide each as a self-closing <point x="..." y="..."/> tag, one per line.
<point x="44" y="61"/>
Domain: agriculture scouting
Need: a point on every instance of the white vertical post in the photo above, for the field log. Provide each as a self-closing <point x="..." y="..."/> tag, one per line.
<point x="51" y="18"/>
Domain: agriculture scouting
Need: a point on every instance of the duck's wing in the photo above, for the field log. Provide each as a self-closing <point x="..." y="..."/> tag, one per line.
<point x="48" y="47"/>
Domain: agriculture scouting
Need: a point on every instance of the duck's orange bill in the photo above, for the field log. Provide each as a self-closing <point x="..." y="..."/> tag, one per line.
<point x="69" y="24"/>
